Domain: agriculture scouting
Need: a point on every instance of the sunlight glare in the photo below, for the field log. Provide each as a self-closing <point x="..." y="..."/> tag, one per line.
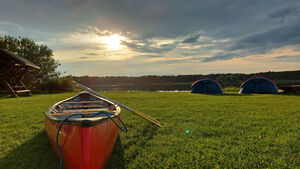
<point x="113" y="42"/>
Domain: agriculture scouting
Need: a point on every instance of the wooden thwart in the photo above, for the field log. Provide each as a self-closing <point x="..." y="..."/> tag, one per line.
<point x="82" y="106"/>
<point x="82" y="110"/>
<point x="67" y="114"/>
<point x="81" y="102"/>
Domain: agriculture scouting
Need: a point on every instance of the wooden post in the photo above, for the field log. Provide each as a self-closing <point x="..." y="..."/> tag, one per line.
<point x="13" y="94"/>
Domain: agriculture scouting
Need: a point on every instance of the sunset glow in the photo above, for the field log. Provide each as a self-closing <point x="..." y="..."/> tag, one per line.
<point x="113" y="42"/>
<point x="145" y="38"/>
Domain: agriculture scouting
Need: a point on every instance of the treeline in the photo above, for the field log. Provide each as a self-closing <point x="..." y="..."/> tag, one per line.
<point x="181" y="82"/>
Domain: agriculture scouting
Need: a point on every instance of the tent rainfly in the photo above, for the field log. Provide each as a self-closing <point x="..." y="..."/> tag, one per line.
<point x="258" y="84"/>
<point x="9" y="63"/>
<point x="206" y="85"/>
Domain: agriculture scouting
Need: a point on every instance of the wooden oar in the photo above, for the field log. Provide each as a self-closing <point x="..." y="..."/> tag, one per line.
<point x="144" y="116"/>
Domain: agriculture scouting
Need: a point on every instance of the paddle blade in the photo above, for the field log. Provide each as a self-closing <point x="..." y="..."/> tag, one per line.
<point x="147" y="117"/>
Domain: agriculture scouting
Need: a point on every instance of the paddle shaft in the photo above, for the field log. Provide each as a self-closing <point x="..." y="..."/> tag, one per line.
<point x="144" y="116"/>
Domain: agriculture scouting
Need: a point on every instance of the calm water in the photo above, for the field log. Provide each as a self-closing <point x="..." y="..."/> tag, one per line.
<point x="150" y="87"/>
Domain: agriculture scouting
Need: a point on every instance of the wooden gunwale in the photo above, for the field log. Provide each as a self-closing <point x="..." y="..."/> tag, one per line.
<point x="70" y="113"/>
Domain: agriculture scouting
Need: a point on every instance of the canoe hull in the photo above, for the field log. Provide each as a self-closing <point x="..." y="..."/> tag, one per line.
<point x="83" y="147"/>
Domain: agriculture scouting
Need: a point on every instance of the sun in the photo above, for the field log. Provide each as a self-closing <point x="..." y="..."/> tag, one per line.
<point x="113" y="42"/>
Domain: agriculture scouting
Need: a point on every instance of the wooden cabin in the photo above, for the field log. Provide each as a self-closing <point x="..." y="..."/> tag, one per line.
<point x="10" y="81"/>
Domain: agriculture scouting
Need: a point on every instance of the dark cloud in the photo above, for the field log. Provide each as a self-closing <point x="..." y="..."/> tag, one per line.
<point x="145" y="47"/>
<point x="169" y="18"/>
<point x="282" y="57"/>
<point x="285" y="12"/>
<point x="253" y="26"/>
<point x="222" y="56"/>
<point x="260" y="43"/>
<point x="287" y="35"/>
<point x="189" y="53"/>
<point x="95" y="31"/>
<point x="92" y="54"/>
<point x="83" y="57"/>
<point x="288" y="58"/>
<point x="172" y="61"/>
<point x="191" y="39"/>
<point x="150" y="56"/>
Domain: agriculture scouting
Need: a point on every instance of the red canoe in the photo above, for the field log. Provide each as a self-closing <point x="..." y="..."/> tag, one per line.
<point x="86" y="143"/>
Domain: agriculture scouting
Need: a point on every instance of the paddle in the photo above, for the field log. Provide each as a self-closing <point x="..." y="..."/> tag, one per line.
<point x="144" y="116"/>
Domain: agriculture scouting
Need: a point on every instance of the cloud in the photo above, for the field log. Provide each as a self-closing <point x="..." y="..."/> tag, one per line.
<point x="285" y="12"/>
<point x="288" y="58"/>
<point x="91" y="54"/>
<point x="287" y="35"/>
<point x="260" y="43"/>
<point x="95" y="30"/>
<point x="83" y="57"/>
<point x="10" y="28"/>
<point x="148" y="47"/>
<point x="191" y="39"/>
<point x="170" y="31"/>
<point x="150" y="56"/>
<point x="9" y="24"/>
<point x="221" y="56"/>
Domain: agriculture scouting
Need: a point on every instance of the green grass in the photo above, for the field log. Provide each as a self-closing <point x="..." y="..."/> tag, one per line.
<point x="228" y="131"/>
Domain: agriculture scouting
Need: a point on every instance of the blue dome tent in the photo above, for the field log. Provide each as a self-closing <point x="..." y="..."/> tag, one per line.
<point x="258" y="84"/>
<point x="206" y="85"/>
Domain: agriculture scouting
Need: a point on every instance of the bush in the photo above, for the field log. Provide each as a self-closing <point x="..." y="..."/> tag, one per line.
<point x="60" y="84"/>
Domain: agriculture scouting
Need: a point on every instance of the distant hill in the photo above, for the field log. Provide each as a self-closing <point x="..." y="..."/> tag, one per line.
<point x="181" y="82"/>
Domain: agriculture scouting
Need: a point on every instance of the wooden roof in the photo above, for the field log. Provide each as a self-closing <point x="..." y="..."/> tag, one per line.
<point x="7" y="56"/>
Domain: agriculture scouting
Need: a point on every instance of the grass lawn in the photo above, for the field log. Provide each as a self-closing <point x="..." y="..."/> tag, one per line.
<point x="228" y="131"/>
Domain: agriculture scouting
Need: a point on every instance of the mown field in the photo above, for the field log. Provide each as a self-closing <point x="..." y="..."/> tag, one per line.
<point x="228" y="131"/>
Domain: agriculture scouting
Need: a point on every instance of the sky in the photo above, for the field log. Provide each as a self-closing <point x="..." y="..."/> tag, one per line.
<point x="160" y="37"/>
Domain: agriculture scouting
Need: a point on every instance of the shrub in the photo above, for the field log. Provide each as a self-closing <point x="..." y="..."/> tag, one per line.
<point x="60" y="84"/>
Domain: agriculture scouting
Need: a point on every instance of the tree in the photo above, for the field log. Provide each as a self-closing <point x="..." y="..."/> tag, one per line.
<point x="40" y="55"/>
